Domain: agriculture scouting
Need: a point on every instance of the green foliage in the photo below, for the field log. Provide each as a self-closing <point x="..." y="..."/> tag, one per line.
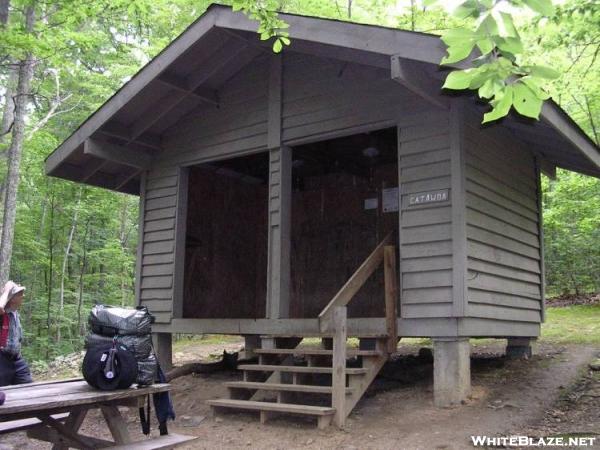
<point x="270" y="25"/>
<point x="578" y="324"/>
<point x="497" y="74"/>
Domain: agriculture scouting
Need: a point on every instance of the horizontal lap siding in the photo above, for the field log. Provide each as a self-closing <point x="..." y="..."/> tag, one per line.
<point x="425" y="231"/>
<point x="158" y="242"/>
<point x="321" y="96"/>
<point x="503" y="243"/>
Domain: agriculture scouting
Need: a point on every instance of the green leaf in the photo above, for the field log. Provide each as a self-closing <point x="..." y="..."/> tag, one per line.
<point x="460" y="42"/>
<point x="543" y="7"/>
<point x="488" y="26"/>
<point x="485" y="46"/>
<point x="526" y="102"/>
<point x="277" y="46"/>
<point x="490" y="88"/>
<point x="501" y="106"/>
<point x="543" y="72"/>
<point x="458" y="79"/>
<point x="510" y="45"/>
<point x="469" y="8"/>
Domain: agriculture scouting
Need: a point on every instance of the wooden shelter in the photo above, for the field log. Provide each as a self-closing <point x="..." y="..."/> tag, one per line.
<point x="273" y="187"/>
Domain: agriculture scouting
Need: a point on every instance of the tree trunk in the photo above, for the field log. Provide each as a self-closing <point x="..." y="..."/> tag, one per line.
<point x="82" y="269"/>
<point x="63" y="273"/>
<point x="14" y="155"/>
<point x="50" y="270"/>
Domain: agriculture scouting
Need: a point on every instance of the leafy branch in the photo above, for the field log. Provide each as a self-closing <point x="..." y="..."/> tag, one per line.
<point x="497" y="73"/>
<point x="270" y="25"/>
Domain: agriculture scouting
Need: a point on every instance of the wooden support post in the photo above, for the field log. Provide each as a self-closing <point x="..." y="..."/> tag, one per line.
<point x="391" y="297"/>
<point x="280" y="201"/>
<point x="280" y="193"/>
<point x="163" y="345"/>
<point x="338" y="376"/>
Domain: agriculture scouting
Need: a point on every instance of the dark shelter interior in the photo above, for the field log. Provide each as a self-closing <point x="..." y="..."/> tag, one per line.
<point x="344" y="202"/>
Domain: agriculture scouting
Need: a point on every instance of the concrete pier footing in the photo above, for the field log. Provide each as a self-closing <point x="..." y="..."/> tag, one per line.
<point x="451" y="371"/>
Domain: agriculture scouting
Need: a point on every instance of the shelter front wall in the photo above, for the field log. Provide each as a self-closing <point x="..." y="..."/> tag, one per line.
<point x="332" y="234"/>
<point x="425" y="229"/>
<point x="159" y="206"/>
<point x="323" y="95"/>
<point x="503" y="239"/>
<point x="321" y="98"/>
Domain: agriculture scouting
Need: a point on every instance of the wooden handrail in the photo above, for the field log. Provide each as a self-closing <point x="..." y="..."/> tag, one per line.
<point x="354" y="283"/>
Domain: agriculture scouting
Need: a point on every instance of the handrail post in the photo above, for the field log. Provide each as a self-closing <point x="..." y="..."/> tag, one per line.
<point x="391" y="296"/>
<point x="338" y="375"/>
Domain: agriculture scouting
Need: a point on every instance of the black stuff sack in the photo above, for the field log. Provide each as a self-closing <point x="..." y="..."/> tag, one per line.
<point x="110" y="367"/>
<point x="111" y="320"/>
<point x="139" y="345"/>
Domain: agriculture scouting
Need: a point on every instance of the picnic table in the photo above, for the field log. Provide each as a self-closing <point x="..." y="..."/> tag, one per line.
<point x="54" y="411"/>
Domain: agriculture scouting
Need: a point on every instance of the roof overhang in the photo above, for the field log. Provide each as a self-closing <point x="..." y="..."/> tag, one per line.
<point x="116" y="143"/>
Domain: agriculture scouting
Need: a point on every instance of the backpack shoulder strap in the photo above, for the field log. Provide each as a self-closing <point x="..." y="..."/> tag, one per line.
<point x="5" y="329"/>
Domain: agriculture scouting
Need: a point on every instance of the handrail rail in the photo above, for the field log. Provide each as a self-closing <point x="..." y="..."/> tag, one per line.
<point x="354" y="283"/>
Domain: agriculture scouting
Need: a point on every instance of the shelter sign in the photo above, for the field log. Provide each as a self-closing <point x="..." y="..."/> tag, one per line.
<point x="421" y="198"/>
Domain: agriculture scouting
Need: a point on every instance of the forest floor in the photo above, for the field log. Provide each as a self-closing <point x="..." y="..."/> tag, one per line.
<point x="554" y="393"/>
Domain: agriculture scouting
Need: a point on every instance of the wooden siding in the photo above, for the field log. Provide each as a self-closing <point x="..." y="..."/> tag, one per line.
<point x="322" y="96"/>
<point x="503" y="241"/>
<point x="159" y="201"/>
<point x="425" y="230"/>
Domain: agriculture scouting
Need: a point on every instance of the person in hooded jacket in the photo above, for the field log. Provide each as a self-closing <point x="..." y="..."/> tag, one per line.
<point x="13" y="368"/>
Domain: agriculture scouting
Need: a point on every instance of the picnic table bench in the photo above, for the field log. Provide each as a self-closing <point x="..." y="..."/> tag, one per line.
<point x="54" y="411"/>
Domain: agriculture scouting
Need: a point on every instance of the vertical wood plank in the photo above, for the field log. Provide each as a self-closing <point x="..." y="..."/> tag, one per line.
<point x="278" y="264"/>
<point x="400" y="234"/>
<point x="338" y="377"/>
<point x="138" y="262"/>
<point x="180" y="241"/>
<point x="391" y="296"/>
<point x="540" y="206"/>
<point x="458" y="200"/>
<point x="275" y="100"/>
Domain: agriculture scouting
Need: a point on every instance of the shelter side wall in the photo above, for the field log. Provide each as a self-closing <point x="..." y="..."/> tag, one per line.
<point x="425" y="227"/>
<point x="503" y="238"/>
<point x="158" y="224"/>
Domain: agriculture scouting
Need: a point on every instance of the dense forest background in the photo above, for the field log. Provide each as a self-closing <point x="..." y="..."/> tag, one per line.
<point x="75" y="245"/>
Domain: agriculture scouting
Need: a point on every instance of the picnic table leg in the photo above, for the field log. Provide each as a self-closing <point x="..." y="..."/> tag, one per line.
<point x="116" y="424"/>
<point x="69" y="437"/>
<point x="73" y="422"/>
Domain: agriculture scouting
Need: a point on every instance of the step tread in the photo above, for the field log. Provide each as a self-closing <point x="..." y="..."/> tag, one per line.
<point x="282" y="387"/>
<point x="299" y="369"/>
<point x="268" y="406"/>
<point x="314" y="352"/>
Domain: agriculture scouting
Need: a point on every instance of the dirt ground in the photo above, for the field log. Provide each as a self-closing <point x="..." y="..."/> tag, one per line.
<point x="553" y="393"/>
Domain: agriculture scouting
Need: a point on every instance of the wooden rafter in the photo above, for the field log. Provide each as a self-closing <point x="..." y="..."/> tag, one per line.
<point x="117" y="153"/>
<point x="414" y="77"/>
<point x="200" y="94"/>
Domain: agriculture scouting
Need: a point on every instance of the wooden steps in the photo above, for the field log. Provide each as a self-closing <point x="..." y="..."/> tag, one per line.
<point x="287" y="387"/>
<point x="322" y="413"/>
<point x="313" y="352"/>
<point x="298" y="369"/>
<point x="277" y="386"/>
<point x="289" y="408"/>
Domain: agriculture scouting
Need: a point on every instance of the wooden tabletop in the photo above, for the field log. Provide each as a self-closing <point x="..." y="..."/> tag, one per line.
<point x="43" y="397"/>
